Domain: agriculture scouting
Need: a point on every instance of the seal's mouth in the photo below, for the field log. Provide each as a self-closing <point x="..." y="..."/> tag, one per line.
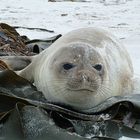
<point x="82" y="90"/>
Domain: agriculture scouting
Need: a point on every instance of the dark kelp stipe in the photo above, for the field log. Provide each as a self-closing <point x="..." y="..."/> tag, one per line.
<point x="26" y="114"/>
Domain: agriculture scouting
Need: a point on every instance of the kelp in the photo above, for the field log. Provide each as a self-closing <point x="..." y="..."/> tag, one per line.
<point x="12" y="43"/>
<point x="16" y="51"/>
<point x="26" y="114"/>
<point x="38" y="45"/>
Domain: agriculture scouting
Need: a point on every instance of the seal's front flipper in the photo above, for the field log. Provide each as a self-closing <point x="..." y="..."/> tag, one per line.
<point x="16" y="62"/>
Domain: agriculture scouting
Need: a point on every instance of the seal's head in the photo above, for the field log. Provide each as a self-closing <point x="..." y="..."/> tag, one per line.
<point x="82" y="69"/>
<point x="75" y="76"/>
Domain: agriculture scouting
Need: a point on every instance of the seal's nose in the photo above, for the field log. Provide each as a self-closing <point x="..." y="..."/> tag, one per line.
<point x="84" y="75"/>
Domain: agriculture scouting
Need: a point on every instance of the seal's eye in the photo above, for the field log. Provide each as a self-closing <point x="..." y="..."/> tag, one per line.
<point x="68" y="66"/>
<point x="98" y="67"/>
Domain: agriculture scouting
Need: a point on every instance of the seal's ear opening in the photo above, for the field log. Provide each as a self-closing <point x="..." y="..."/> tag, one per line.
<point x="36" y="49"/>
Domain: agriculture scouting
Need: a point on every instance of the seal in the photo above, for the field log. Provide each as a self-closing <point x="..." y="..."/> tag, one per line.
<point x="82" y="69"/>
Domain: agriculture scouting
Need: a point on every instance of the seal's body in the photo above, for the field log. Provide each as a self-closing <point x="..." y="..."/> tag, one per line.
<point x="82" y="69"/>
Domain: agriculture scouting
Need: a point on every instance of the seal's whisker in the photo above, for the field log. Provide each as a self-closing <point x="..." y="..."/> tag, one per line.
<point x="105" y="90"/>
<point x="59" y="91"/>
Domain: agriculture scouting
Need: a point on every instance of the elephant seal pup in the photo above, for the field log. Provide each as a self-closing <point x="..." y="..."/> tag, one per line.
<point x="82" y="69"/>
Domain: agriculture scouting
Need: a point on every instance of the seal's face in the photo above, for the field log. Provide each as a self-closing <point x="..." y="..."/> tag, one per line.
<point x="77" y="73"/>
<point x="82" y="69"/>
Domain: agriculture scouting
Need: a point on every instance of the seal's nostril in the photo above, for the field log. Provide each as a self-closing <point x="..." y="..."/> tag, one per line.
<point x="98" y="67"/>
<point x="85" y="76"/>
